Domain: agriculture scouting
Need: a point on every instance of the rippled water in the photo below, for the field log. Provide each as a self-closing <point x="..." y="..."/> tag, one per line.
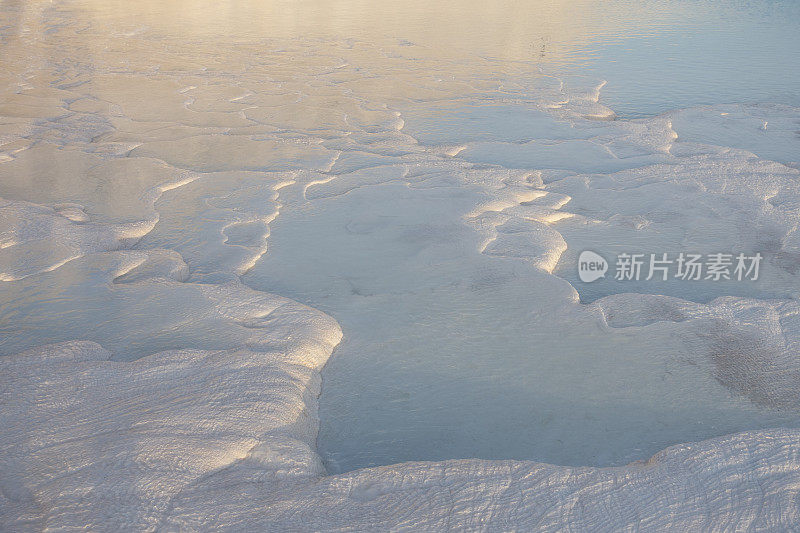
<point x="425" y="173"/>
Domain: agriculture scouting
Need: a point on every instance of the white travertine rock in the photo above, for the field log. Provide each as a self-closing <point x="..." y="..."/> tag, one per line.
<point x="154" y="168"/>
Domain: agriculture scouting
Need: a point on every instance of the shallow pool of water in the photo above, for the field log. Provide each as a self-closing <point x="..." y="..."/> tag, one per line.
<point x="426" y="174"/>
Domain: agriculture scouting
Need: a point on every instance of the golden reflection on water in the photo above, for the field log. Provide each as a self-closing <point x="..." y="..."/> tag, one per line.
<point x="539" y="30"/>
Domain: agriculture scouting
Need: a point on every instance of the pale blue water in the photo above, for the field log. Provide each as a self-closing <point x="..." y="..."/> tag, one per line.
<point x="447" y="352"/>
<point x="702" y="53"/>
<point x="434" y="365"/>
